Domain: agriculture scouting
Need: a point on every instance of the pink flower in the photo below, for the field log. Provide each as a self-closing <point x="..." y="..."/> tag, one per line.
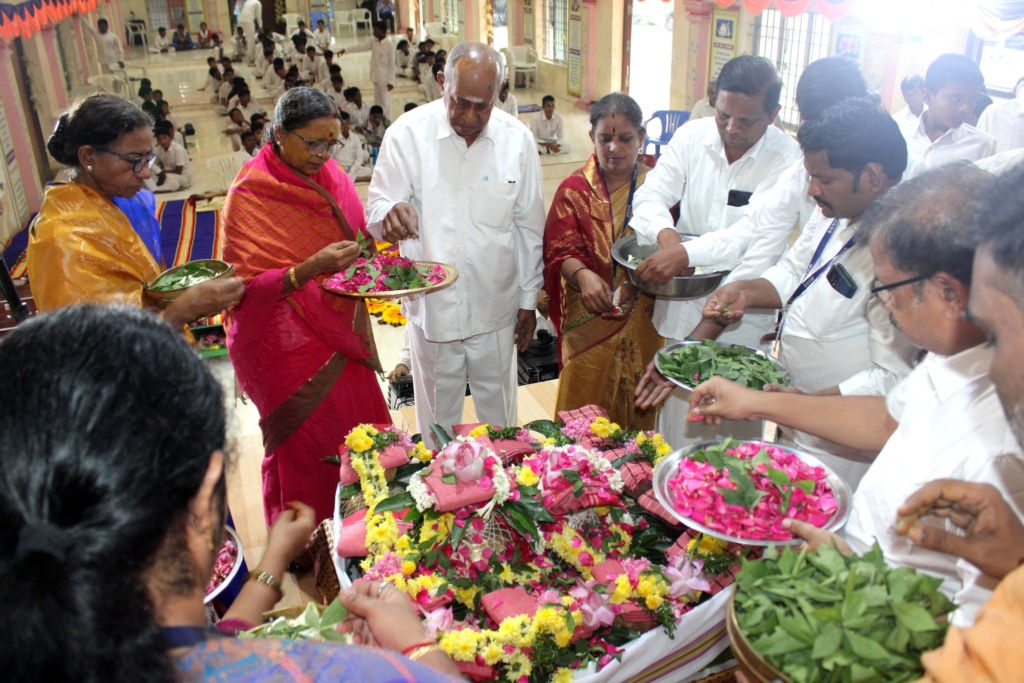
<point x="586" y="559"/>
<point x="438" y="621"/>
<point x="464" y="459"/>
<point x="594" y="606"/>
<point x="686" y="577"/>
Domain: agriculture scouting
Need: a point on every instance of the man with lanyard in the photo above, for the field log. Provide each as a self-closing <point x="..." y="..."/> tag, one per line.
<point x="458" y="182"/>
<point x="712" y="168"/>
<point x="834" y="338"/>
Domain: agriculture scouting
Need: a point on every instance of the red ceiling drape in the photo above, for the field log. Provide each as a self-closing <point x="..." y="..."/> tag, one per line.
<point x="22" y="19"/>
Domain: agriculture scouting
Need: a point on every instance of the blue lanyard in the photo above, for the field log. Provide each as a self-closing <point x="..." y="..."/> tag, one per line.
<point x="809" y="279"/>
<point x="611" y="210"/>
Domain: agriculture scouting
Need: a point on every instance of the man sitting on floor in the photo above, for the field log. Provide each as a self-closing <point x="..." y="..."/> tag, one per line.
<point x="548" y="129"/>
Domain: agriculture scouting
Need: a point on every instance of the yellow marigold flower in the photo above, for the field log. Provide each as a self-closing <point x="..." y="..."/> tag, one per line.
<point x="493" y="653"/>
<point x="506" y="574"/>
<point x="640" y="438"/>
<point x="550" y="441"/>
<point x="422" y="453"/>
<point x="547" y="619"/>
<point x="408" y="567"/>
<point x="646" y="587"/>
<point x="653" y="602"/>
<point x="403" y="546"/>
<point x="479" y="430"/>
<point x="377" y="535"/>
<point x="563" y="676"/>
<point x="527" y="477"/>
<point x="601" y="427"/>
<point x="519" y="666"/>
<point x="568" y="600"/>
<point x="358" y="440"/>
<point x="709" y="545"/>
<point x="511" y="631"/>
<point x="370" y="429"/>
<point x="563" y="638"/>
<point x="458" y="646"/>
<point x="622" y="591"/>
<point x="466" y="595"/>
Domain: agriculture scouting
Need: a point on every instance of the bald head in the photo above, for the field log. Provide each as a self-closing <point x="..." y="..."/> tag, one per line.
<point x="472" y="81"/>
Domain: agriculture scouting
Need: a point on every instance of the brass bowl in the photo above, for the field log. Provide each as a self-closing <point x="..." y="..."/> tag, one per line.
<point x="627" y="248"/>
<point x="163" y="298"/>
<point x="751" y="664"/>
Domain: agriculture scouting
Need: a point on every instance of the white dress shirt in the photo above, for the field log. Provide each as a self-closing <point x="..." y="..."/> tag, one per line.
<point x="963" y="142"/>
<point x="162" y="42"/>
<point x="251" y="12"/>
<point x="951" y="425"/>
<point x="172" y="157"/>
<point x="382" y="61"/>
<point x="338" y="97"/>
<point x="480" y="208"/>
<point x="509" y="106"/>
<point x="828" y="338"/>
<point x="548" y="130"/>
<point x="357" y="115"/>
<point x="1005" y="122"/>
<point x="108" y="45"/>
<point x="694" y="171"/>
<point x="351" y="155"/>
<point x="905" y="118"/>
<point x="253" y="108"/>
<point x="322" y="40"/>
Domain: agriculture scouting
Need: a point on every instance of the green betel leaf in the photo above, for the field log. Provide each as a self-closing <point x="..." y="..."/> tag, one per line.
<point x="914" y="617"/>
<point x="865" y="648"/>
<point x="449" y="479"/>
<point x="440" y="435"/>
<point x="333" y="615"/>
<point x="399" y="501"/>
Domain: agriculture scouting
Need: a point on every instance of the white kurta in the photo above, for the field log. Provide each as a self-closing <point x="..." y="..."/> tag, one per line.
<point x="358" y="115"/>
<point x="170" y="158"/>
<point x="250" y="15"/>
<point x="108" y="48"/>
<point x="509" y="106"/>
<point x="352" y="158"/>
<point x="480" y="208"/>
<point x="963" y="142"/>
<point x="694" y="171"/>
<point x="1005" y="122"/>
<point x="951" y="425"/>
<point x="703" y="109"/>
<point x="322" y="40"/>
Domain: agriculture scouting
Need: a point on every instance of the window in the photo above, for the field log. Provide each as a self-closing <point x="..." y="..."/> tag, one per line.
<point x="1002" y="62"/>
<point x="453" y="15"/>
<point x="791" y="44"/>
<point x="555" y="15"/>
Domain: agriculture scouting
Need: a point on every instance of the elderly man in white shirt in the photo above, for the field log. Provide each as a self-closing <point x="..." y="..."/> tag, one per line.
<point x="549" y="129"/>
<point x="249" y="18"/>
<point x="1005" y="121"/>
<point x="712" y="168"/>
<point x="834" y="336"/>
<point x="940" y="135"/>
<point x="484" y="213"/>
<point x="944" y="420"/>
<point x="108" y="46"/>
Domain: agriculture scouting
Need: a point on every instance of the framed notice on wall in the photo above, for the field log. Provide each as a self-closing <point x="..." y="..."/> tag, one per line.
<point x="528" y="22"/>
<point x="575" y="49"/>
<point x="724" y="26"/>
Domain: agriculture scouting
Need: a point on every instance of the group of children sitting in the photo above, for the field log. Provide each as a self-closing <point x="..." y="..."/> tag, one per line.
<point x="181" y="39"/>
<point x="172" y="169"/>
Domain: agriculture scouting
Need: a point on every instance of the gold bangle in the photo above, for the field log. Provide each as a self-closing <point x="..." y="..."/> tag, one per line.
<point x="265" y="578"/>
<point x="424" y="651"/>
<point x="294" y="280"/>
<point x="572" y="278"/>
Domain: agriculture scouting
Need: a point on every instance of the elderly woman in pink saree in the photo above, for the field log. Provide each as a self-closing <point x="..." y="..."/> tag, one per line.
<point x="305" y="357"/>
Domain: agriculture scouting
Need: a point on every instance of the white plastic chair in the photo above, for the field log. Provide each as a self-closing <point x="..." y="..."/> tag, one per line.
<point x="111" y="84"/>
<point x="435" y="30"/>
<point x="137" y="30"/>
<point x="520" y="59"/>
<point x="291" y="23"/>
<point x="362" y="16"/>
<point x="227" y="166"/>
<point x="344" y="18"/>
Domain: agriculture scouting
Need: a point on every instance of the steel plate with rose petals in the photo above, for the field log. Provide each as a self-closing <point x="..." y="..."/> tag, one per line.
<point x="741" y="491"/>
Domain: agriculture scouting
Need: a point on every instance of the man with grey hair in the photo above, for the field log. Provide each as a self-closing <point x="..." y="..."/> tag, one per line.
<point x="459" y="182"/>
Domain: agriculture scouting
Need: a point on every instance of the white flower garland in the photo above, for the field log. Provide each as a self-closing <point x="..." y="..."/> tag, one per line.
<point x="420" y="493"/>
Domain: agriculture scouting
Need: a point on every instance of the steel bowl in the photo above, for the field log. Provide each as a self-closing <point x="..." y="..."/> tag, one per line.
<point x="164" y="297"/>
<point x="669" y="348"/>
<point x="669" y="467"/>
<point x="681" y="287"/>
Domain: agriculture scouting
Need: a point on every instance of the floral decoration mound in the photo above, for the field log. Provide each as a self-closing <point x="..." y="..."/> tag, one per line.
<point x="385" y="273"/>
<point x="746" y="490"/>
<point x="528" y="550"/>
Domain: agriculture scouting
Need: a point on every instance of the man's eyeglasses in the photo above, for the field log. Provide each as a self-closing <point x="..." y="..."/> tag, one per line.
<point x="316" y="148"/>
<point x="138" y="163"/>
<point x="884" y="292"/>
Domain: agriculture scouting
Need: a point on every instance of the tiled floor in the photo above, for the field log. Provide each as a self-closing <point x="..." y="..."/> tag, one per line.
<point x="180" y="76"/>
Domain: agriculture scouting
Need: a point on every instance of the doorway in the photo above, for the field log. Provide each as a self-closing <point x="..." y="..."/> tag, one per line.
<point x="648" y="40"/>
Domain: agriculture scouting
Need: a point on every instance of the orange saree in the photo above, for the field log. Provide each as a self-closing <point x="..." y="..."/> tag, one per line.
<point x="601" y="359"/>
<point x="307" y="358"/>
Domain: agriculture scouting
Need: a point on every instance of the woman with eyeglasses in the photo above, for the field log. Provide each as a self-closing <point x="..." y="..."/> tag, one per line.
<point x="96" y="238"/>
<point x="305" y="357"/>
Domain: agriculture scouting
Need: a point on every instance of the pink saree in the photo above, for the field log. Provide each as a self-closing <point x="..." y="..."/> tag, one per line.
<point x="306" y="358"/>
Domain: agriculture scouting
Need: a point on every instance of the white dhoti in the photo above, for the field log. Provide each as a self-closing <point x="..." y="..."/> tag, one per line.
<point x="382" y="97"/>
<point x="173" y="182"/>
<point x="440" y="371"/>
<point x="249" y="29"/>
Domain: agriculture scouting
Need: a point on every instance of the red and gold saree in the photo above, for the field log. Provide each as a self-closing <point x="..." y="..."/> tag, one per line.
<point x="601" y="359"/>
<point x="306" y="358"/>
